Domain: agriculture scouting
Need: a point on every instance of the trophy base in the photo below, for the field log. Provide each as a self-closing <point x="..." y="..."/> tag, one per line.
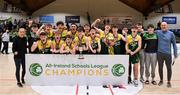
<point x="81" y="58"/>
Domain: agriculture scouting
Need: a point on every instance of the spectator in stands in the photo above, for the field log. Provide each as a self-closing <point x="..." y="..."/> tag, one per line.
<point x="1" y="32"/>
<point x="151" y="44"/>
<point x="5" y="40"/>
<point x="20" y="49"/>
<point x="159" y="25"/>
<point x="15" y="24"/>
<point x="165" y="39"/>
<point x="9" y="25"/>
<point x="133" y="46"/>
<point x="28" y="28"/>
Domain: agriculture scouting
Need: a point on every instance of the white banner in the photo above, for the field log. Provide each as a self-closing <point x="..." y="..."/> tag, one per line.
<point x="47" y="69"/>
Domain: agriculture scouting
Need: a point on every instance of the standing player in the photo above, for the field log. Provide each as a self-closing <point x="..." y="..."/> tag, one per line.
<point x="133" y="46"/>
<point x="142" y="54"/>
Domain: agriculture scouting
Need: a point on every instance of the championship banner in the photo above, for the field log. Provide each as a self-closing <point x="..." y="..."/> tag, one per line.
<point x="96" y="70"/>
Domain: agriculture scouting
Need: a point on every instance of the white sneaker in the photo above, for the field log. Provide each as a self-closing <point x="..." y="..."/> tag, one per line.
<point x="135" y="82"/>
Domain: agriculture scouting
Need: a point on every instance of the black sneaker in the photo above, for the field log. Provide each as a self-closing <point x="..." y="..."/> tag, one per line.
<point x="105" y="86"/>
<point x="19" y="84"/>
<point x="169" y="85"/>
<point x="23" y="82"/>
<point x="2" y="52"/>
<point x="129" y="80"/>
<point x="142" y="79"/>
<point x="160" y="83"/>
<point x="115" y="86"/>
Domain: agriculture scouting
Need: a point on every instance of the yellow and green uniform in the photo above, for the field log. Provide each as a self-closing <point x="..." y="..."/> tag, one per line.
<point x="50" y="34"/>
<point x="87" y="34"/>
<point x="103" y="35"/>
<point x="111" y="50"/>
<point x="57" y="45"/>
<point x="44" y="47"/>
<point x="66" y="47"/>
<point x="79" y="41"/>
<point x="63" y="33"/>
<point x="117" y="45"/>
<point x="73" y="35"/>
<point x="94" y="43"/>
<point x="133" y="45"/>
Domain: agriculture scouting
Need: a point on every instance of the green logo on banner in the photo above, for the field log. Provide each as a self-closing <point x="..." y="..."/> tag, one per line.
<point x="118" y="70"/>
<point x="35" y="69"/>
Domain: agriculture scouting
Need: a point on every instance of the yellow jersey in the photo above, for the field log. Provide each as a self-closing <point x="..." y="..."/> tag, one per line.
<point x="63" y="33"/>
<point x="66" y="47"/>
<point x="94" y="43"/>
<point x="50" y="34"/>
<point x="57" y="45"/>
<point x="44" y="47"/>
<point x="119" y="37"/>
<point x="74" y="35"/>
<point x="133" y="42"/>
<point x="77" y="41"/>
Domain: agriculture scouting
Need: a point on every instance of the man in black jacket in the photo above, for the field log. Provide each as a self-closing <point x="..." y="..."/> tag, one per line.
<point x="20" y="49"/>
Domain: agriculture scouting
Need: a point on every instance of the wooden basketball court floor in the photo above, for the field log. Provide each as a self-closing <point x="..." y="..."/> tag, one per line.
<point x="8" y="81"/>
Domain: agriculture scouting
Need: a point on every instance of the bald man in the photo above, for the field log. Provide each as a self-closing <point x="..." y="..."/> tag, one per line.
<point x="166" y="38"/>
<point x="20" y="49"/>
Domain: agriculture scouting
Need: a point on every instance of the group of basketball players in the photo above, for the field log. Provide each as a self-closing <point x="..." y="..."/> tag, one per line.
<point x="142" y="47"/>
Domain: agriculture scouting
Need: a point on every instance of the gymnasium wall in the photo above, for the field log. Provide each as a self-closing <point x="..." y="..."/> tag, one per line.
<point x="4" y="15"/>
<point x="153" y="18"/>
<point x="96" y="8"/>
<point x="13" y="15"/>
